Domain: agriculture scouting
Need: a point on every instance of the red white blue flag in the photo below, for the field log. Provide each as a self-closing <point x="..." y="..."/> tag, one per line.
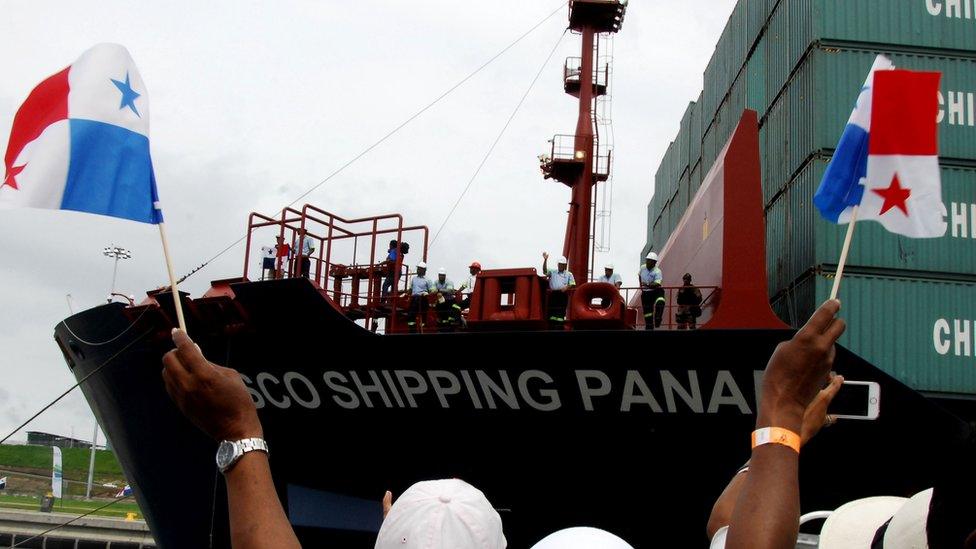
<point x="81" y="141"/>
<point x="887" y="160"/>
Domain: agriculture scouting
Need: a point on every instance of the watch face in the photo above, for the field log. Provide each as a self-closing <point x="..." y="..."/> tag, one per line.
<point x="225" y="454"/>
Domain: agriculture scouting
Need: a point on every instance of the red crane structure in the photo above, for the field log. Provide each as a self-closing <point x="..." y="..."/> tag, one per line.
<point x="576" y="160"/>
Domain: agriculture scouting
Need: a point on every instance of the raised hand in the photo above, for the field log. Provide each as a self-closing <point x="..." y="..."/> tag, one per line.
<point x="214" y="398"/>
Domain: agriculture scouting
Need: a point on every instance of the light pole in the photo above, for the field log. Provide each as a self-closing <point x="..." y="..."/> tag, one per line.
<point x="117" y="253"/>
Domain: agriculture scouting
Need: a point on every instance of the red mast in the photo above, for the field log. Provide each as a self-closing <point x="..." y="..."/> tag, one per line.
<point x="575" y="159"/>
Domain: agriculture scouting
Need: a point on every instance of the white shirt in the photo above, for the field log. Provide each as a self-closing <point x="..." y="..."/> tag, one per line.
<point x="614" y="279"/>
<point x="307" y="246"/>
<point x="559" y="280"/>
<point x="467" y="287"/>
<point x="648" y="277"/>
<point x="718" y="540"/>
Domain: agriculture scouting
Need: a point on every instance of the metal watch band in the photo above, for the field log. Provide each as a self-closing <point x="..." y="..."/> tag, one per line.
<point x="250" y="444"/>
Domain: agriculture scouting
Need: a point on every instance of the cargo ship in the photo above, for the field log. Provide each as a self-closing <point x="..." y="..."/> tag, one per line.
<point x="800" y="66"/>
<point x="588" y="420"/>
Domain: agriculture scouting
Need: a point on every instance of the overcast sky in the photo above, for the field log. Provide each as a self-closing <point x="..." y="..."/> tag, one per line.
<point x="253" y="103"/>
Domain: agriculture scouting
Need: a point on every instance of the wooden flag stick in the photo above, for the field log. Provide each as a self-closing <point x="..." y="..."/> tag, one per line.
<point x="172" y="278"/>
<point x="843" y="254"/>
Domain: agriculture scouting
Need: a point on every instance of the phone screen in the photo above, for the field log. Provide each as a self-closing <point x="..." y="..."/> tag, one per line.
<point x="851" y="400"/>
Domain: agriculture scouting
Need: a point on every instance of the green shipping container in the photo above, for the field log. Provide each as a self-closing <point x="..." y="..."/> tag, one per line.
<point x="919" y="330"/>
<point x="696" y="179"/>
<point x="695" y="135"/>
<point x="938" y="27"/>
<point x="811" y="113"/>
<point x="798" y="240"/>
<point x="684" y="139"/>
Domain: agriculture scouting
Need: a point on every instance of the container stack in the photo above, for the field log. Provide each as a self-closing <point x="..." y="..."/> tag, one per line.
<point x="910" y="303"/>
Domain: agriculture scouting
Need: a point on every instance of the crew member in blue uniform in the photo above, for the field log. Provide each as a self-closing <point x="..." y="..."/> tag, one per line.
<point x="560" y="282"/>
<point x="420" y="288"/>
<point x="446" y="299"/>
<point x="610" y="277"/>
<point x="652" y="293"/>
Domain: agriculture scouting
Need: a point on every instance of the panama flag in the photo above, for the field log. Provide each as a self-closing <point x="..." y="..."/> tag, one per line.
<point x="81" y="141"/>
<point x="887" y="160"/>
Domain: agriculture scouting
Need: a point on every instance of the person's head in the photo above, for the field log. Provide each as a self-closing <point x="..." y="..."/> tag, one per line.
<point x="608" y="269"/>
<point x="561" y="264"/>
<point x="447" y="513"/>
<point x="897" y="523"/>
<point x="474" y="268"/>
<point x="442" y="275"/>
<point x="687" y="279"/>
<point x="650" y="260"/>
<point x="280" y="239"/>
<point x="421" y="268"/>
<point x="404" y="248"/>
<point x="393" y="244"/>
<point x="582" y="537"/>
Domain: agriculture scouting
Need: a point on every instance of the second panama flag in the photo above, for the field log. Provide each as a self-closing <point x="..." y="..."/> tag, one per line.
<point x="891" y="169"/>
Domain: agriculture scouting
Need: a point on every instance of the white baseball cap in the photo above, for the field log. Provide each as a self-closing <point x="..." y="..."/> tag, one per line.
<point x="562" y="259"/>
<point x="608" y="266"/>
<point x="442" y="514"/>
<point x="651" y="255"/>
<point x="855" y="523"/>
<point x="582" y="537"/>
<point x="442" y="271"/>
<point x="421" y="265"/>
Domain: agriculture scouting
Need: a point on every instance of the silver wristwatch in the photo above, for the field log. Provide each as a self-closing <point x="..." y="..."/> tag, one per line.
<point x="230" y="451"/>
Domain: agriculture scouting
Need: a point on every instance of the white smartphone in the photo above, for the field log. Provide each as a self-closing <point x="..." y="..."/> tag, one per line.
<point x="857" y="400"/>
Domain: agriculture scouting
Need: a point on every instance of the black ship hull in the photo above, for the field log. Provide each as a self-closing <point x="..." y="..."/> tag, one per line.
<point x="634" y="432"/>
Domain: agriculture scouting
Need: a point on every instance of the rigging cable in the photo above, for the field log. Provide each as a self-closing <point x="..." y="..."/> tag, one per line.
<point x="49" y="530"/>
<point x="390" y="134"/>
<point x="498" y="138"/>
<point x="80" y="381"/>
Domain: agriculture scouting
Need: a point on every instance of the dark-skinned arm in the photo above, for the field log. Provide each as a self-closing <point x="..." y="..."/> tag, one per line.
<point x="215" y="399"/>
<point x="767" y="512"/>
<point x="814" y="419"/>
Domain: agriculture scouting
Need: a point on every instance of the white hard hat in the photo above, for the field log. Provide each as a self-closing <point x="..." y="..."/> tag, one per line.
<point x="421" y="265"/>
<point x="562" y="259"/>
<point x="651" y="255"/>
<point x="608" y="266"/>
<point x="442" y="271"/>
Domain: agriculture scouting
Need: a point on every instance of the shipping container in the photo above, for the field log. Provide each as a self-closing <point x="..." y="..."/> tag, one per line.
<point x="775" y="45"/>
<point x="813" y="109"/>
<point x="798" y="240"/>
<point x="694" y="134"/>
<point x="696" y="179"/>
<point x="774" y="36"/>
<point x="921" y="331"/>
<point x="684" y="139"/>
<point x="934" y="24"/>
<point x="774" y="138"/>
<point x="758" y="12"/>
<point x="756" y="82"/>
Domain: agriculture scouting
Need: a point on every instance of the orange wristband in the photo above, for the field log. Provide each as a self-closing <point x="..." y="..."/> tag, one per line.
<point x="776" y="435"/>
